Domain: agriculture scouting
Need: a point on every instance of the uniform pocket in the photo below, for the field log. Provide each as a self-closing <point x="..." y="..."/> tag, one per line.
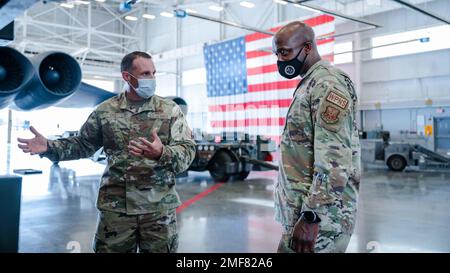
<point x="172" y="246"/>
<point x="146" y="122"/>
<point x="162" y="178"/>
<point x="115" y="132"/>
<point x="172" y="242"/>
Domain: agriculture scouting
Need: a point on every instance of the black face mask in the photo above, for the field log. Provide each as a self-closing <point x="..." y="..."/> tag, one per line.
<point x="291" y="69"/>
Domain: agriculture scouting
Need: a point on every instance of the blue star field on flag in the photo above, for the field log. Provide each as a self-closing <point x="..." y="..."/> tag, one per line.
<point x="226" y="69"/>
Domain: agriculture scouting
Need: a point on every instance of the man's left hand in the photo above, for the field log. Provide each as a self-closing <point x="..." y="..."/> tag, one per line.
<point x="147" y="149"/>
<point x="304" y="236"/>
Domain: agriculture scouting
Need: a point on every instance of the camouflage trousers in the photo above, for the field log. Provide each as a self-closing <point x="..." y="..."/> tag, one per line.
<point x="153" y="232"/>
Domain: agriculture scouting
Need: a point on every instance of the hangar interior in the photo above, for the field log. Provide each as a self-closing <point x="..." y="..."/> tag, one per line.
<point x="396" y="52"/>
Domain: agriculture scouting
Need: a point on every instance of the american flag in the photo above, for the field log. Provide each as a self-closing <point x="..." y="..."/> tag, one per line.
<point x="245" y="92"/>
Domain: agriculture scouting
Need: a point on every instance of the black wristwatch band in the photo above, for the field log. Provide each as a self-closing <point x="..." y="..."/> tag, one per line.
<point x="310" y="217"/>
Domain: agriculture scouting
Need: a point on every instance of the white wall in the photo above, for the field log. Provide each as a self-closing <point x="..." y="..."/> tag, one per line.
<point x="394" y="91"/>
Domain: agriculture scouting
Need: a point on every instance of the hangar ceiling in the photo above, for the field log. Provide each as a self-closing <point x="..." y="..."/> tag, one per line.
<point x="97" y="33"/>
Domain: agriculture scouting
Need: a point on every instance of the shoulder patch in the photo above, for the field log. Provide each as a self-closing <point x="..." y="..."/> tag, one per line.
<point x="337" y="99"/>
<point x="330" y="115"/>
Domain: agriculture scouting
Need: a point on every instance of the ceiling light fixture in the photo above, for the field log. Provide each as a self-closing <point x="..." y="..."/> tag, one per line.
<point x="166" y="14"/>
<point x="131" y="18"/>
<point x="191" y="10"/>
<point x="67" y="5"/>
<point x="148" y="16"/>
<point x="215" y="8"/>
<point x="281" y="2"/>
<point x="247" y="4"/>
<point x="82" y="2"/>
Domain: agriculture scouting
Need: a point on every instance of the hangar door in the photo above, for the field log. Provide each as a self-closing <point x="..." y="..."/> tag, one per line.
<point x="442" y="135"/>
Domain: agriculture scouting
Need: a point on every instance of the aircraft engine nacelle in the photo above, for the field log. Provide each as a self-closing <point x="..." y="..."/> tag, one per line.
<point x="16" y="71"/>
<point x="57" y="75"/>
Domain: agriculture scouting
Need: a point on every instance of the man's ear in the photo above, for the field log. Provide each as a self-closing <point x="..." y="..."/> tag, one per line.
<point x="308" y="48"/>
<point x="125" y="76"/>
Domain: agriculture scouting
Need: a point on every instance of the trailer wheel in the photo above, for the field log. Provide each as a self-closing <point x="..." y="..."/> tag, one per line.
<point x="396" y="163"/>
<point x="244" y="174"/>
<point x="216" y="167"/>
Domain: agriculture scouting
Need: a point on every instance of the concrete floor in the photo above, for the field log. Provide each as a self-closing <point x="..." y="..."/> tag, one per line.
<point x="398" y="212"/>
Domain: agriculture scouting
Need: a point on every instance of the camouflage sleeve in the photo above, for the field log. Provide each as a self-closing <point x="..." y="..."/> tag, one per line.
<point x="178" y="155"/>
<point x="88" y="141"/>
<point x="332" y="150"/>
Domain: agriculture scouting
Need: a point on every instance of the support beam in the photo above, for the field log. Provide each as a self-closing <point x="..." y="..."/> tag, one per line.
<point x="35" y="16"/>
<point x="116" y="17"/>
<point x="227" y="12"/>
<point x="179" y="62"/>
<point x="116" y="44"/>
<point x="89" y="28"/>
<point x="8" y="152"/>
<point x="71" y="16"/>
<point x="48" y="24"/>
<point x="53" y="33"/>
<point x="75" y="34"/>
<point x="266" y="15"/>
<point x="48" y="46"/>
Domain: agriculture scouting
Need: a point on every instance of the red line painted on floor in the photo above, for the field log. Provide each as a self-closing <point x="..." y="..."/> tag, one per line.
<point x="198" y="197"/>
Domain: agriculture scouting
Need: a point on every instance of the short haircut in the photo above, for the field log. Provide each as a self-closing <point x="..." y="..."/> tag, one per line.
<point x="127" y="61"/>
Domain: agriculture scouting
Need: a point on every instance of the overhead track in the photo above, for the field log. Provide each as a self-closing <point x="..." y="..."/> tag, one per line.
<point x="328" y="36"/>
<point x="422" y="40"/>
<point x="429" y="14"/>
<point x="182" y="13"/>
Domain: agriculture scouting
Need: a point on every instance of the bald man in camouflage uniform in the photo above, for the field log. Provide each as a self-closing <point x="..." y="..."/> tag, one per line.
<point x="147" y="142"/>
<point x="317" y="189"/>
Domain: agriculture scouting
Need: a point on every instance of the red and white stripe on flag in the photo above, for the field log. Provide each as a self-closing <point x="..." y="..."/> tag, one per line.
<point x="262" y="109"/>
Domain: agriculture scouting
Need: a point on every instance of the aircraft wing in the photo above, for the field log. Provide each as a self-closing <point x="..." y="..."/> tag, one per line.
<point x="86" y="96"/>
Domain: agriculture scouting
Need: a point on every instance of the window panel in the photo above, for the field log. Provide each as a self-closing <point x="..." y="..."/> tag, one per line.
<point x="439" y="38"/>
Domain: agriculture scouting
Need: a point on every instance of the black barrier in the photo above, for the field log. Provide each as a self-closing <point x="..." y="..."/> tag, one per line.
<point x="10" y="193"/>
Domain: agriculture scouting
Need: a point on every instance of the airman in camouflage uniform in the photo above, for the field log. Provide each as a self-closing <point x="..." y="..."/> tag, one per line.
<point x="137" y="197"/>
<point x="320" y="152"/>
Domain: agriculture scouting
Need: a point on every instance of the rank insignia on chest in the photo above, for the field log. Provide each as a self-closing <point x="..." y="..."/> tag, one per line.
<point x="330" y="115"/>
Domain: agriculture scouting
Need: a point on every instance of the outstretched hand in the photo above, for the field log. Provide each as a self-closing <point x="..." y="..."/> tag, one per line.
<point x="145" y="148"/>
<point x="36" y="145"/>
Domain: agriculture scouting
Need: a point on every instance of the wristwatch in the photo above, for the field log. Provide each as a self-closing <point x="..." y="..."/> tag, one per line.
<point x="310" y="217"/>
